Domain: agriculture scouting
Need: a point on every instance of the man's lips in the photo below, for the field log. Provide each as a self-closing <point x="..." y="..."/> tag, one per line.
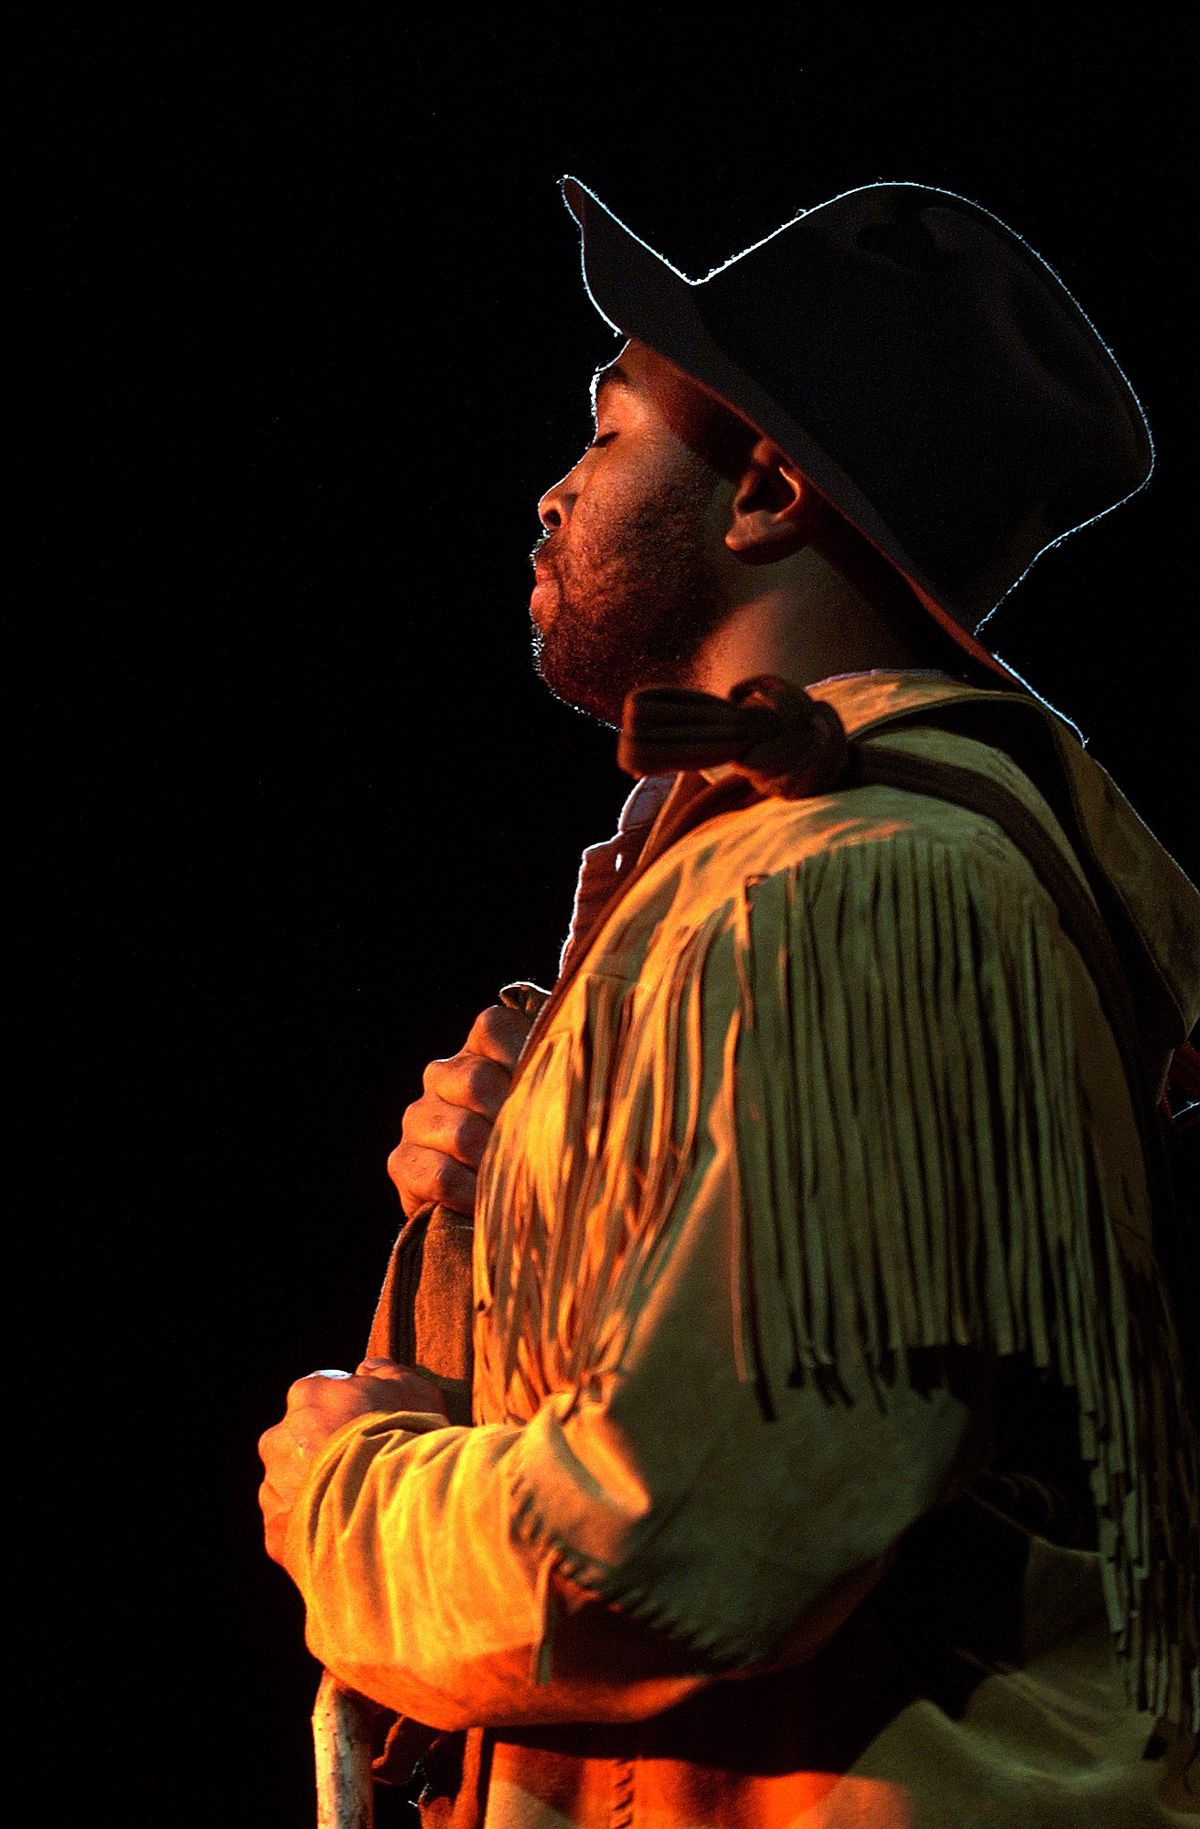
<point x="541" y="601"/>
<point x="545" y="587"/>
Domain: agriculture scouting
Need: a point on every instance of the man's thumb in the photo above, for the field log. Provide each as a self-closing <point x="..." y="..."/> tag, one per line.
<point x="380" y="1368"/>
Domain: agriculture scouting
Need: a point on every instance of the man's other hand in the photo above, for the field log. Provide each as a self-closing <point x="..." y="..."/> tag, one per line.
<point x="316" y="1407"/>
<point x="445" y="1132"/>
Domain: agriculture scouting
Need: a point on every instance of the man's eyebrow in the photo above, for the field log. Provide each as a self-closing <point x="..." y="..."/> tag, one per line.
<point x="614" y="376"/>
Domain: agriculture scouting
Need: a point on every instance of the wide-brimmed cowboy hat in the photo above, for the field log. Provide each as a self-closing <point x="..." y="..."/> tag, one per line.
<point x="919" y="361"/>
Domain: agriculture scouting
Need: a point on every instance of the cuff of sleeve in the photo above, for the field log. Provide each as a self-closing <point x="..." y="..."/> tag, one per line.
<point x="389" y="1426"/>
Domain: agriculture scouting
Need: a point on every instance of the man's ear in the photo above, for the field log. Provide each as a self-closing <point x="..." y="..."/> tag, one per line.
<point x="772" y="503"/>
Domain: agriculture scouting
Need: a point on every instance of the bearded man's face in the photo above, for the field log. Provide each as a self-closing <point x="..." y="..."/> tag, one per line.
<point x="628" y="584"/>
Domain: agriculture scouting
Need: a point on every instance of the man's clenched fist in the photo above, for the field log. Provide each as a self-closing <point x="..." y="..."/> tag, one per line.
<point x="316" y="1407"/>
<point x="445" y="1132"/>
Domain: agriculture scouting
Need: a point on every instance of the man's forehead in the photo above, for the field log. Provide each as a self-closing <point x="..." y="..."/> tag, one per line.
<point x="640" y="370"/>
<point x="613" y="374"/>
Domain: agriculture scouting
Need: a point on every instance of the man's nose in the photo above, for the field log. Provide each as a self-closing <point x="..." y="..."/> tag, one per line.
<point x="554" y="509"/>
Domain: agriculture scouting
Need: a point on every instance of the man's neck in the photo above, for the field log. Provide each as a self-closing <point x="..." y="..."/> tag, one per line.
<point x="804" y="629"/>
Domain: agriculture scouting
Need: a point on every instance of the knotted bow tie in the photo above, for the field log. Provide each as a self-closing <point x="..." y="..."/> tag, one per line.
<point x="783" y="741"/>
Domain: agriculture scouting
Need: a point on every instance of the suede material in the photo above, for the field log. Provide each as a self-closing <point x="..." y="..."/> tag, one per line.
<point x="574" y="1577"/>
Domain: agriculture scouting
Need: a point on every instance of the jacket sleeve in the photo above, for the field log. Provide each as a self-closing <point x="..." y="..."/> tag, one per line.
<point x="743" y="1442"/>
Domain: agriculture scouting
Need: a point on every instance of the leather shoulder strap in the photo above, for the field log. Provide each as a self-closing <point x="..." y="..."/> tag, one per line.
<point x="880" y="766"/>
<point x="1034" y="740"/>
<point x="875" y="764"/>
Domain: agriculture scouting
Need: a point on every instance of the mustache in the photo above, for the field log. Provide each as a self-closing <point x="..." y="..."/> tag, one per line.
<point x="541" y="553"/>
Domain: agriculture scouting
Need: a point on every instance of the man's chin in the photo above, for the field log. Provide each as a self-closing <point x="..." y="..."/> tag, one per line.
<point x="594" y="699"/>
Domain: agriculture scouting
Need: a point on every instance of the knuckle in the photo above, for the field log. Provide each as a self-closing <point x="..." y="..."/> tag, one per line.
<point x="412" y="1116"/>
<point x="452" y="1182"/>
<point x="441" y="1123"/>
<point x="414" y="1179"/>
<point x="443" y="1178"/>
<point x="454" y="1133"/>
<point x="485" y="1083"/>
<point x="461" y="1135"/>
<point x="471" y="1138"/>
<point x="502" y="1032"/>
<point x="403" y="1165"/>
<point x="438" y="1072"/>
<point x="492" y="1021"/>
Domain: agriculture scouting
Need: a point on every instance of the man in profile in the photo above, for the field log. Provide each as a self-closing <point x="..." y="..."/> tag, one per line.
<point x="830" y="1458"/>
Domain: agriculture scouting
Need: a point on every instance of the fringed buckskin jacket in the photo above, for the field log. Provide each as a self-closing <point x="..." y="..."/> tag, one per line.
<point x="815" y="1308"/>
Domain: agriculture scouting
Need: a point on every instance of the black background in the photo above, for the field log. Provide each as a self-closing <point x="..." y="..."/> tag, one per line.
<point x="302" y="337"/>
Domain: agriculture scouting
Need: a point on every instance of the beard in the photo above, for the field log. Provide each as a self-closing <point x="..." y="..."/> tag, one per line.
<point x="633" y="605"/>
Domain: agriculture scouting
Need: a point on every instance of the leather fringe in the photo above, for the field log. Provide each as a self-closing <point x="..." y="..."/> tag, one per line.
<point x="561" y="1300"/>
<point x="930" y="1111"/>
<point x="894" y="991"/>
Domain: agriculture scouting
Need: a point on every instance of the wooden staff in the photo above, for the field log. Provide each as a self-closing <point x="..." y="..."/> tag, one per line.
<point x="342" y="1747"/>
